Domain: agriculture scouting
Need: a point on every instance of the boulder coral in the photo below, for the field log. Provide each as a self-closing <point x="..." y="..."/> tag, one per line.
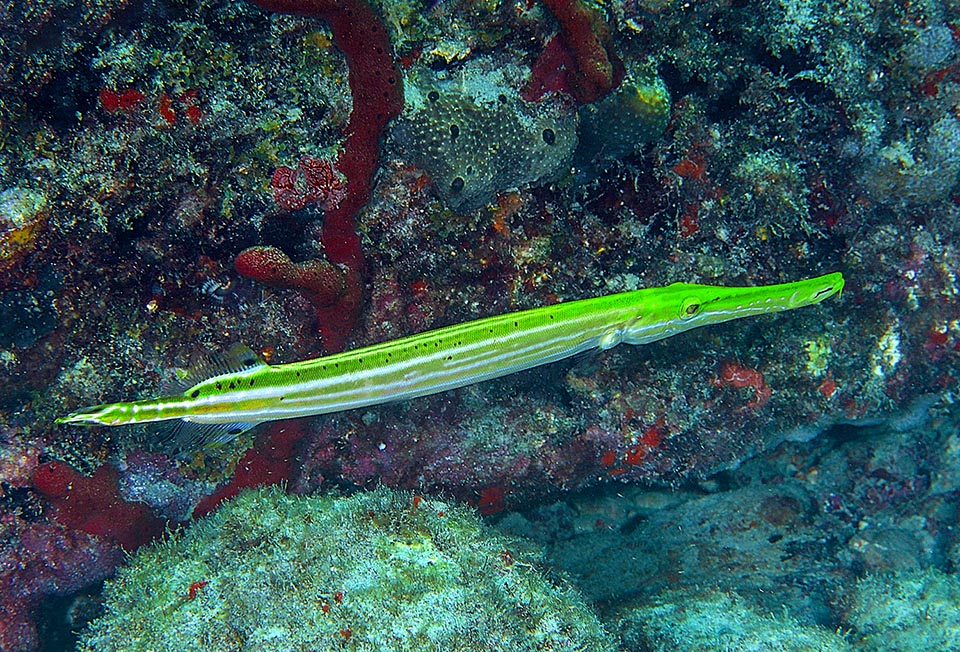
<point x="380" y="570"/>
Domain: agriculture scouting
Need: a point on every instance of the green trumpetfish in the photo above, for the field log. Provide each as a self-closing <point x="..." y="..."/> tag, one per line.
<point x="246" y="391"/>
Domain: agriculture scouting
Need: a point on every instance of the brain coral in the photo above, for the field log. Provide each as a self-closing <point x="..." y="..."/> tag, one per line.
<point x="474" y="148"/>
<point x="375" y="571"/>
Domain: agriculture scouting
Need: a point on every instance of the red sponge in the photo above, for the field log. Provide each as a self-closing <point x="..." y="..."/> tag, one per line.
<point x="93" y="504"/>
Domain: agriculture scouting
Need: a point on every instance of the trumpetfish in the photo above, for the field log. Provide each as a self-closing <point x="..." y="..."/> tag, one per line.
<point x="246" y="391"/>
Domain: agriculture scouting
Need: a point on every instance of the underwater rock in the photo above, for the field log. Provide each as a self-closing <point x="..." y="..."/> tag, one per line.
<point x="23" y="217"/>
<point x="695" y="622"/>
<point x="907" y="611"/>
<point x="37" y="561"/>
<point x="380" y="570"/>
<point x="44" y="53"/>
<point x="26" y="316"/>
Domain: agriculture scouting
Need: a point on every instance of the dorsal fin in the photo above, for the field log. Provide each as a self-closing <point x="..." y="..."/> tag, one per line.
<point x="237" y="358"/>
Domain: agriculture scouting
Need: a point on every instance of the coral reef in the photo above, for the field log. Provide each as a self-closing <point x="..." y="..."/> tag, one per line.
<point x="792" y="530"/>
<point x="325" y="286"/>
<point x="915" y="173"/>
<point x="376" y="86"/>
<point x="144" y="145"/>
<point x="618" y="125"/>
<point x="43" y="55"/>
<point x="268" y="462"/>
<point x="313" y="180"/>
<point x="279" y="572"/>
<point x="26" y="317"/>
<point x="23" y="214"/>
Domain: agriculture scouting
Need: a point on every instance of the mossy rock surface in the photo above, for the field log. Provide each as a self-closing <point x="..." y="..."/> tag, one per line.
<point x="375" y="571"/>
<point x="905" y="612"/>
<point x="709" y="621"/>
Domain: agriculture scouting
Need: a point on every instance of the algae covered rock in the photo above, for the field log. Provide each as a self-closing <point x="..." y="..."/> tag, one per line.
<point x="907" y="611"/>
<point x="714" y="620"/>
<point x="375" y="571"/>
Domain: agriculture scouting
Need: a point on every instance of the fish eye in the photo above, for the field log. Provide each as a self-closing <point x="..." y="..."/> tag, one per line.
<point x="690" y="307"/>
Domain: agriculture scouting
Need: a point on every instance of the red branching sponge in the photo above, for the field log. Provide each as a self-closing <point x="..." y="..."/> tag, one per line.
<point x="596" y="68"/>
<point x="377" y="90"/>
<point x="329" y="288"/>
<point x="93" y="505"/>
<point x="319" y="280"/>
